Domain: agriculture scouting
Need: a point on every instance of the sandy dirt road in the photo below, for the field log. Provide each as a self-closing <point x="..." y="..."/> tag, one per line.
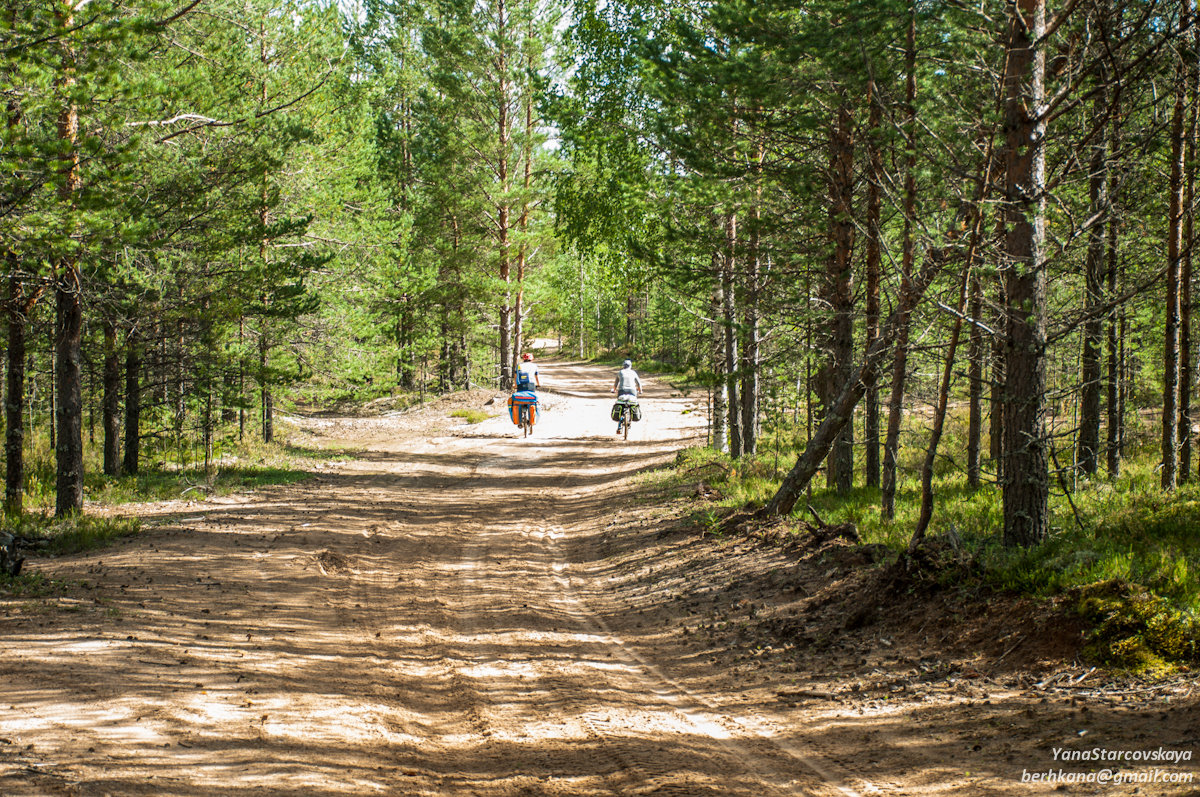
<point x="430" y="617"/>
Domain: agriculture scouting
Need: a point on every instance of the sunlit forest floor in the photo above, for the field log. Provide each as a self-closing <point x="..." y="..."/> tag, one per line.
<point x="445" y="608"/>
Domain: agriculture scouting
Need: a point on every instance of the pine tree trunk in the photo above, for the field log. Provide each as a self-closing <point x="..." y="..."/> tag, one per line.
<point x="1171" y="385"/>
<point x="523" y="226"/>
<point x="873" y="256"/>
<point x="751" y="312"/>
<point x="464" y="355"/>
<point x="205" y="376"/>
<point x="891" y="445"/>
<point x="1186" y="377"/>
<point x="243" y="401"/>
<point x="720" y="409"/>
<point x="840" y="290"/>
<point x="1026" y="479"/>
<point x="1115" y="410"/>
<point x="111" y="401"/>
<point x="268" y="400"/>
<point x="179" y="381"/>
<point x="503" y="141"/>
<point x="69" y="409"/>
<point x="68" y="330"/>
<point x="729" y="309"/>
<point x="996" y="393"/>
<point x="975" y="388"/>
<point x="1088" y="454"/>
<point x="19" y="309"/>
<point x="133" y="402"/>
<point x="14" y="396"/>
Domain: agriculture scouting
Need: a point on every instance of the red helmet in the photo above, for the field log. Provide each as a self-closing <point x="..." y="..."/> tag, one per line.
<point x="526" y="356"/>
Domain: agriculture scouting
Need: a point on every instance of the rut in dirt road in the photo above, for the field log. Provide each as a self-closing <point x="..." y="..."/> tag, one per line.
<point x="428" y="618"/>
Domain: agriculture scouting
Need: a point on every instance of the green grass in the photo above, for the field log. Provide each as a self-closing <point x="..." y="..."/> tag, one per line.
<point x="30" y="585"/>
<point x="471" y="416"/>
<point x="1129" y="563"/>
<point x="72" y="534"/>
<point x="239" y="465"/>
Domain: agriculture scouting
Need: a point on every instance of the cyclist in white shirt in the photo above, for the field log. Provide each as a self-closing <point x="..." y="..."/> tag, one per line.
<point x="627" y="383"/>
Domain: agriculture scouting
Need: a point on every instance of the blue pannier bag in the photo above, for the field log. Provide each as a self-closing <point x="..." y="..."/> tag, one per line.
<point x="522" y="398"/>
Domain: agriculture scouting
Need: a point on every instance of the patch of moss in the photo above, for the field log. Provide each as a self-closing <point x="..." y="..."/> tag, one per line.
<point x="1136" y="630"/>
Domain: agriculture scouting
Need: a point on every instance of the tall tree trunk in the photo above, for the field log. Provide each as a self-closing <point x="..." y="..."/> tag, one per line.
<point x="839" y="288"/>
<point x="68" y="284"/>
<point x="179" y="382"/>
<point x="996" y="387"/>
<point x="464" y="353"/>
<point x="523" y="221"/>
<point x="1088" y="454"/>
<point x="751" y="320"/>
<point x="720" y="435"/>
<point x="1115" y="421"/>
<point x="52" y="382"/>
<point x="503" y="222"/>
<point x="1186" y="376"/>
<point x="133" y="402"/>
<point x="205" y="376"/>
<point x="891" y="445"/>
<point x="732" y="394"/>
<point x="975" y="351"/>
<point x="406" y="354"/>
<point x="69" y="410"/>
<point x="111" y="401"/>
<point x="874" y="249"/>
<point x="1175" y="184"/>
<point x="243" y="401"/>
<point x="1026" y="479"/>
<point x="751" y="336"/>
<point x="268" y="400"/>
<point x="19" y="307"/>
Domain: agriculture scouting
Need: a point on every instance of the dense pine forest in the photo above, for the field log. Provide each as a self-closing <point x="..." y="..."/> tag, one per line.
<point x="926" y="248"/>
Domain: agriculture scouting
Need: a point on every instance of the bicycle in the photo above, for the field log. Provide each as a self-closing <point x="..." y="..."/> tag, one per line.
<point x="524" y="407"/>
<point x="625" y="412"/>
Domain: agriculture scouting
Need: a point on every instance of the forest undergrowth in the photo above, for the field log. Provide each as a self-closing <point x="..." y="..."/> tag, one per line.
<point x="1122" y="555"/>
<point x="166" y="473"/>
